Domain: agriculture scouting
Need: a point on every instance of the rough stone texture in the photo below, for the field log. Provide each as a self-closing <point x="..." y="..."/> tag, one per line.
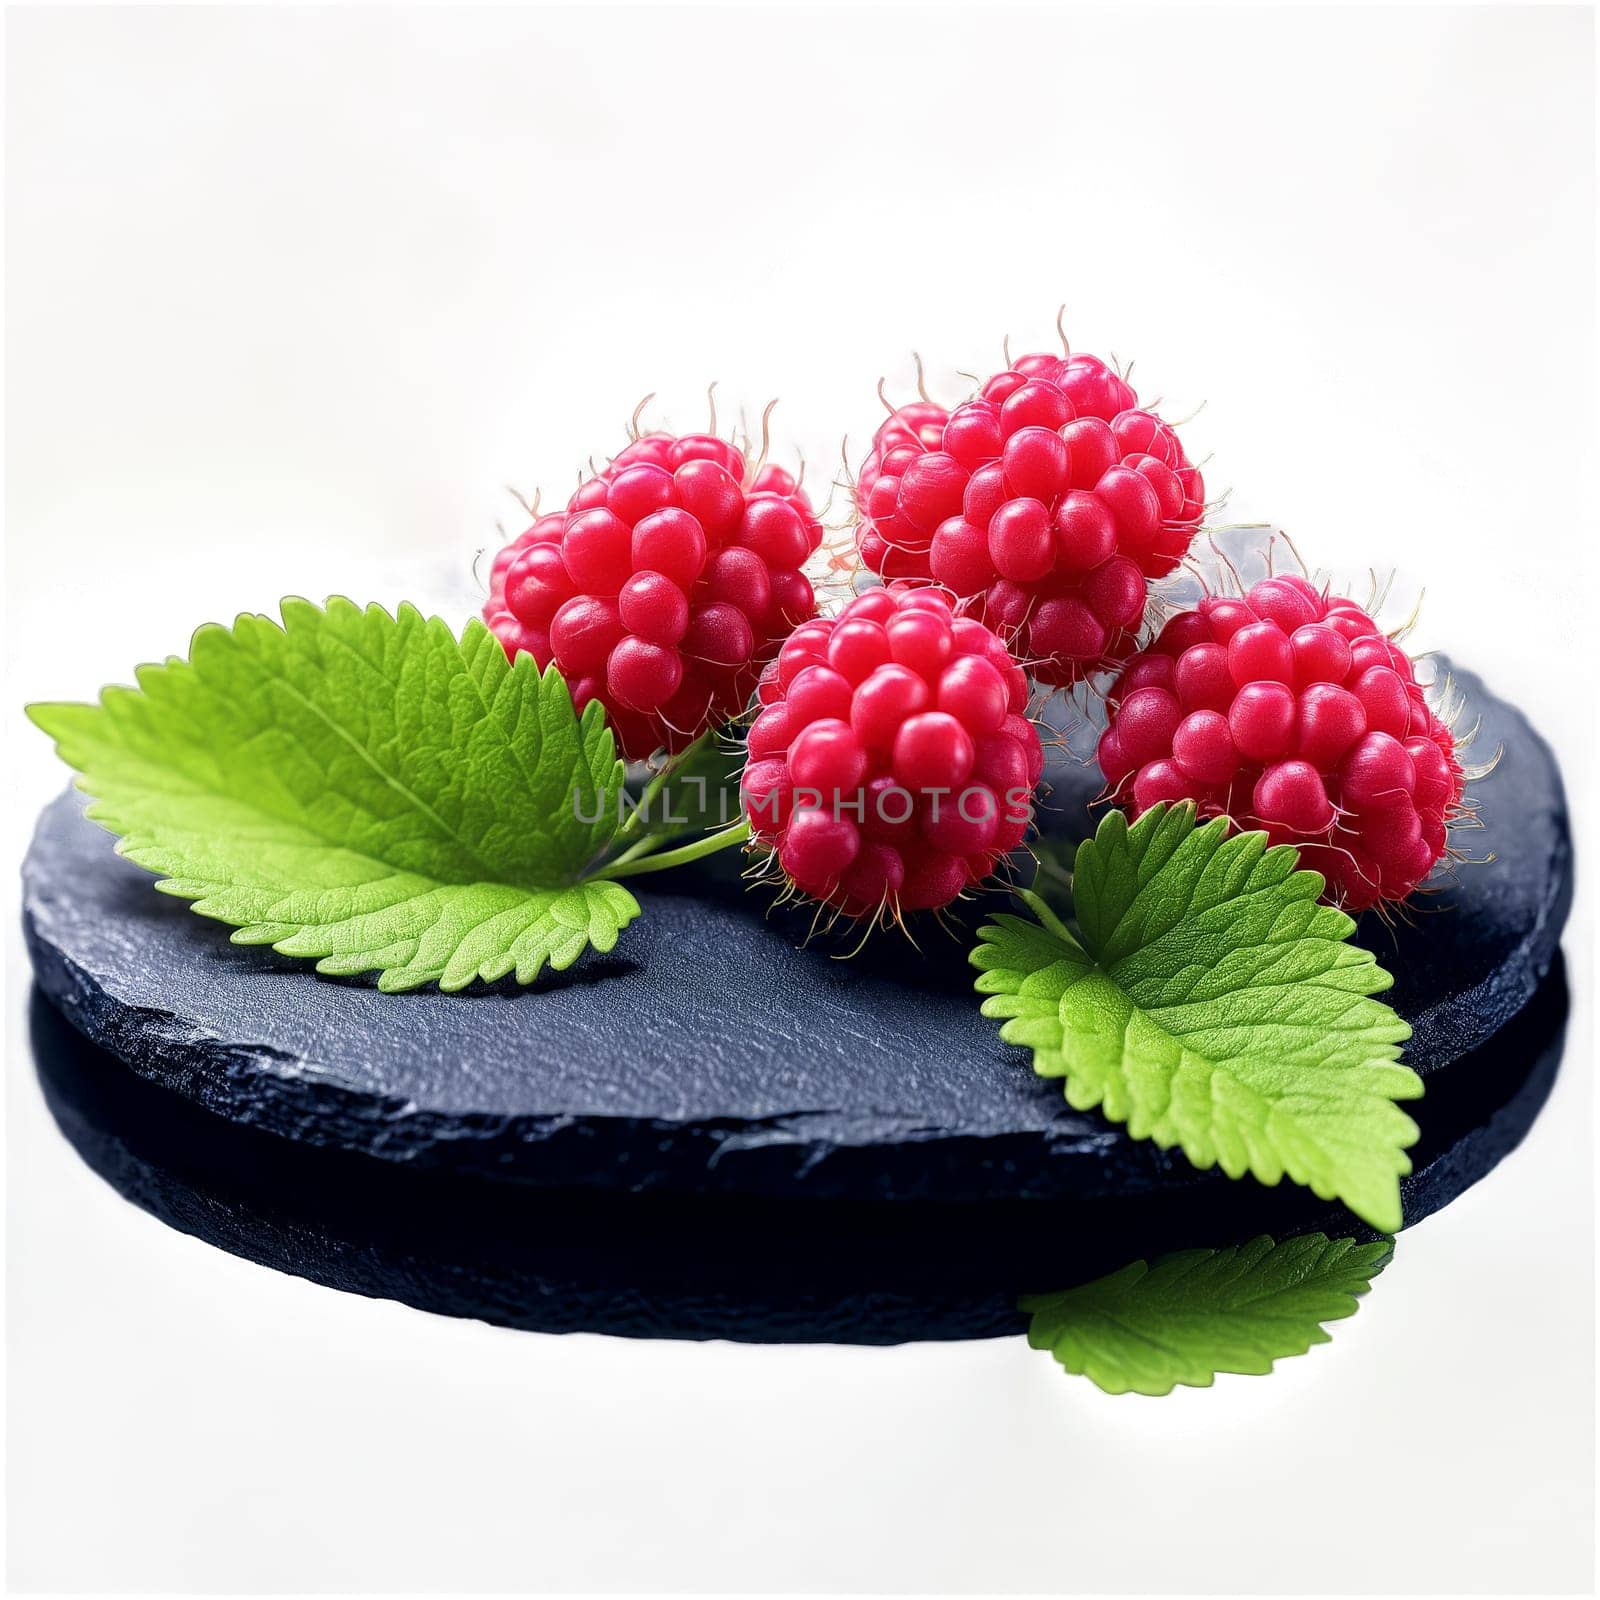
<point x="679" y="1266"/>
<point x="707" y="1054"/>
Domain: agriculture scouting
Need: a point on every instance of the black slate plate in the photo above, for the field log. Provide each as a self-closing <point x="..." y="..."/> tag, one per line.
<point x="686" y="1266"/>
<point x="708" y="1054"/>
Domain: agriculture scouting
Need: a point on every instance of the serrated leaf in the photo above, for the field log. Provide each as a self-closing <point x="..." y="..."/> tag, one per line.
<point x="363" y="789"/>
<point x="1211" y="1003"/>
<point x="1196" y="1313"/>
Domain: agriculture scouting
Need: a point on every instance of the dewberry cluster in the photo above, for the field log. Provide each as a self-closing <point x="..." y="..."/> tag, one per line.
<point x="1044" y="505"/>
<point x="1289" y="710"/>
<point x="892" y="763"/>
<point x="663" y="588"/>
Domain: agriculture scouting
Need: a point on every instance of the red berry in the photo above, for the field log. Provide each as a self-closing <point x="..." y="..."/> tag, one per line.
<point x="770" y="733"/>
<point x="874" y="878"/>
<point x="932" y="751"/>
<point x="1260" y="653"/>
<point x="972" y="690"/>
<point x="672" y="542"/>
<point x="1152" y="672"/>
<point x="1146" y="722"/>
<point x="654" y="607"/>
<point x="1203" y="747"/>
<point x="536" y="585"/>
<point x="712" y="496"/>
<point x="857" y="648"/>
<point x="643" y="676"/>
<point x="1094" y="449"/>
<point x="1086" y="532"/>
<point x="930" y="490"/>
<point x="1290" y="602"/>
<point x="1020" y="546"/>
<point x="1034" y="461"/>
<point x="1331" y="719"/>
<point x="1261" y="720"/>
<point x="959" y="558"/>
<point x="1377" y="772"/>
<point x="920" y="639"/>
<point x="932" y="879"/>
<point x="1159" y="781"/>
<point x="819" y="693"/>
<point x="888" y="697"/>
<point x="793" y="599"/>
<point x="901" y="437"/>
<point x="766" y="792"/>
<point x="1065" y="628"/>
<point x="742" y="579"/>
<point x="816" y="847"/>
<point x="975" y="436"/>
<point x="719" y="638"/>
<point x="1036" y="404"/>
<point x="775" y="531"/>
<point x="637" y="491"/>
<point x="1291" y="794"/>
<point x="827" y="756"/>
<point x="1019" y="501"/>
<point x="663" y="588"/>
<point x="545" y="530"/>
<point x="1383" y="696"/>
<point x="1289" y="711"/>
<point x="583" y="633"/>
<point x="1224" y="617"/>
<point x="1201" y="676"/>
<point x="892" y="765"/>
<point x="1321" y="654"/>
<point x="597" y="551"/>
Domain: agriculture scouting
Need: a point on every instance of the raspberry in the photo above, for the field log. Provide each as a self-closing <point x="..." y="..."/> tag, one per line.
<point x="907" y="432"/>
<point x="892" y="763"/>
<point x="1044" y="505"/>
<point x="663" y="588"/>
<point x="1290" y="711"/>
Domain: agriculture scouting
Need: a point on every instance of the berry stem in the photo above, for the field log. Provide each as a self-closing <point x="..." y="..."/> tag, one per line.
<point x="707" y="845"/>
<point x="1050" y="873"/>
<point x="652" y="790"/>
<point x="639" y="847"/>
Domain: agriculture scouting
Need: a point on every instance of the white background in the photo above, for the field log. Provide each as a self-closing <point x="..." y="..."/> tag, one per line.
<point x="291" y="294"/>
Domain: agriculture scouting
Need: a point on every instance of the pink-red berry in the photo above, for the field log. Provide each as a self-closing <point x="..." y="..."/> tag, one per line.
<point x="1044" y="505"/>
<point x="1290" y="711"/>
<point x="892" y="763"/>
<point x="905" y="434"/>
<point x="663" y="588"/>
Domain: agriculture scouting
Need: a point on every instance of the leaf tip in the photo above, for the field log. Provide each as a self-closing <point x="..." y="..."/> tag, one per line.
<point x="46" y="715"/>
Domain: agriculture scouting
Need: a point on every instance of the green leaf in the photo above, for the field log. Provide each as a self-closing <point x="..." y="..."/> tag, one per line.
<point x="1210" y="1003"/>
<point x="1196" y="1313"/>
<point x="364" y="789"/>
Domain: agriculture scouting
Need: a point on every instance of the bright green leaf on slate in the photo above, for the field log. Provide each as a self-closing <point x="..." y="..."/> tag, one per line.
<point x="1209" y="1002"/>
<point x="364" y="789"/>
<point x="1196" y="1313"/>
